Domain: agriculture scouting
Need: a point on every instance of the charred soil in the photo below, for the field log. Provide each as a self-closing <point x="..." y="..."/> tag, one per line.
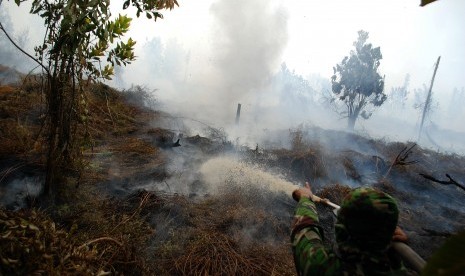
<point x="120" y="212"/>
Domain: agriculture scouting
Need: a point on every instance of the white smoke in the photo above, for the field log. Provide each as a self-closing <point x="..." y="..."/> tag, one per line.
<point x="249" y="42"/>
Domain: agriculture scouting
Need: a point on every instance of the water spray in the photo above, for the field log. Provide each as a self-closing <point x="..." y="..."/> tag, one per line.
<point x="219" y="169"/>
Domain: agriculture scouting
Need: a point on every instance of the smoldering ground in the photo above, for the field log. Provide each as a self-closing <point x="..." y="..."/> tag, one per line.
<point x="262" y="179"/>
<point x="215" y="190"/>
<point x="241" y="69"/>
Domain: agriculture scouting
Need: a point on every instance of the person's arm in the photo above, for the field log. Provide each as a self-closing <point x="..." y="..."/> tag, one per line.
<point x="310" y="255"/>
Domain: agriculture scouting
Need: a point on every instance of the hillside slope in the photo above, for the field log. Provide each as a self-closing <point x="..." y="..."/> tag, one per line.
<point x="139" y="205"/>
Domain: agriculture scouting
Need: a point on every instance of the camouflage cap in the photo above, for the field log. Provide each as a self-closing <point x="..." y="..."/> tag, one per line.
<point x="369" y="218"/>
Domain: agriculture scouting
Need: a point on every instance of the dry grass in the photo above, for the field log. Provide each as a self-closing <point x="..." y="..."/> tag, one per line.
<point x="161" y="137"/>
<point x="219" y="237"/>
<point x="304" y="164"/>
<point x="219" y="254"/>
<point x="113" y="233"/>
<point x="237" y="232"/>
<point x="386" y="186"/>
<point x="109" y="114"/>
<point x="222" y="235"/>
<point x="19" y="127"/>
<point x="31" y="243"/>
<point x="335" y="193"/>
<point x="21" y="116"/>
<point x="16" y="138"/>
<point x="135" y="145"/>
<point x="210" y="237"/>
<point x="5" y="90"/>
<point x="96" y="234"/>
<point x="350" y="169"/>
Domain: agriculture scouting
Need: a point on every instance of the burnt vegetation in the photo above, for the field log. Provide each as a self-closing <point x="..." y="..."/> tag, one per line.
<point x="99" y="224"/>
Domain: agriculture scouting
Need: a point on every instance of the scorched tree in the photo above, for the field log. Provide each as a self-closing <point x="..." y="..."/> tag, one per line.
<point x="356" y="81"/>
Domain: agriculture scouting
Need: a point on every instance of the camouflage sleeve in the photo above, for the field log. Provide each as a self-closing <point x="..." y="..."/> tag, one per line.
<point x="310" y="255"/>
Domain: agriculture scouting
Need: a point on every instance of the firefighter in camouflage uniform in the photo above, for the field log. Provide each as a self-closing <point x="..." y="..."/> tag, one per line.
<point x="366" y="224"/>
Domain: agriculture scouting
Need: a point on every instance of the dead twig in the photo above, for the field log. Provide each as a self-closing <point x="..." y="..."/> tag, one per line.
<point x="444" y="182"/>
<point x="401" y="159"/>
<point x="142" y="203"/>
<point x="99" y="240"/>
<point x="6" y="172"/>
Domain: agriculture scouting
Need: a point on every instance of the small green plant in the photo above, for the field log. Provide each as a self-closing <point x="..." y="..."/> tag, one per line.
<point x="83" y="42"/>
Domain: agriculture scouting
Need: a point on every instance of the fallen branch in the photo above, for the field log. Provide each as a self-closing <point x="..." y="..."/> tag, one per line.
<point x="435" y="233"/>
<point x="444" y="182"/>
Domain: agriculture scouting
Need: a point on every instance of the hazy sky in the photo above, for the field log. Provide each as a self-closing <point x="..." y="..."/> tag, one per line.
<point x="312" y="36"/>
<point x="217" y="53"/>
<point x="321" y="33"/>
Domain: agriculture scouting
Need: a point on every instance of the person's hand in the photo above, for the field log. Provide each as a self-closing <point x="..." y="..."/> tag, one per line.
<point x="399" y="235"/>
<point x="303" y="192"/>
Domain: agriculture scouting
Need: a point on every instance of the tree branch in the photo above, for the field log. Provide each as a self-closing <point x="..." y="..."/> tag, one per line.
<point x="19" y="48"/>
<point x="444" y="182"/>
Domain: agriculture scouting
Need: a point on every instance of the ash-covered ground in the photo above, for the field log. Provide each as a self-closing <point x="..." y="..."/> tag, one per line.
<point x="209" y="165"/>
<point x="209" y="197"/>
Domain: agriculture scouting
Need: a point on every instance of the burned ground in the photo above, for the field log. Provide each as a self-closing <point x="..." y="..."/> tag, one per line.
<point x="140" y="206"/>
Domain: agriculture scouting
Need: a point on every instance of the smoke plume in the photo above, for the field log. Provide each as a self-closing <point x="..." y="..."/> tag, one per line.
<point x="250" y="37"/>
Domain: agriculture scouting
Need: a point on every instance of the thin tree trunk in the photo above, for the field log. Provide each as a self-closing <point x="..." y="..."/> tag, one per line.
<point x="351" y="122"/>
<point x="428" y="100"/>
<point x="53" y="110"/>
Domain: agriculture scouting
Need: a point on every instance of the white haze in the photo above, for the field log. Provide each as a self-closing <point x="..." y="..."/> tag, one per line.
<point x="205" y="57"/>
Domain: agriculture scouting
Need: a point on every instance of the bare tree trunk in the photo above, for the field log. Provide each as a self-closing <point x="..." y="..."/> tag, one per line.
<point x="54" y="110"/>
<point x="238" y="113"/>
<point x="58" y="155"/>
<point x="353" y="116"/>
<point x="428" y="100"/>
<point x="351" y="122"/>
